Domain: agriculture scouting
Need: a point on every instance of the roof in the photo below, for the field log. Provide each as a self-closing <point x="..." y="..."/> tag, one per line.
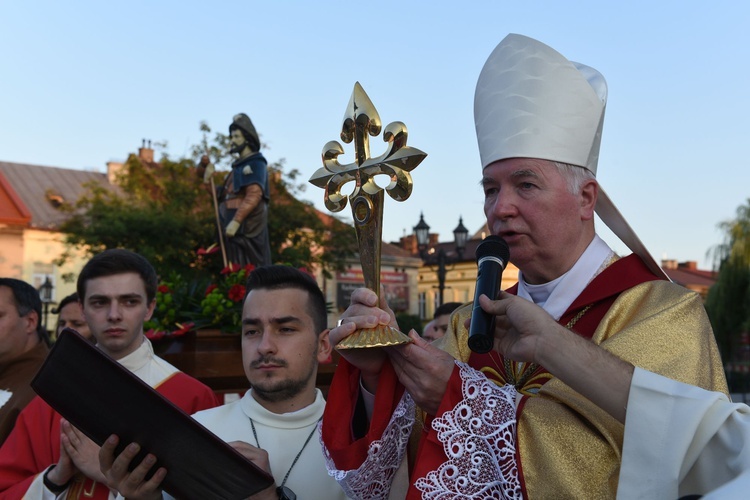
<point x="481" y="233"/>
<point x="392" y="250"/>
<point x="12" y="209"/>
<point x="34" y="184"/>
<point x="691" y="277"/>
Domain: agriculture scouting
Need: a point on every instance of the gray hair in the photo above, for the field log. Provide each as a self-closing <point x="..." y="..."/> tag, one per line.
<point x="575" y="176"/>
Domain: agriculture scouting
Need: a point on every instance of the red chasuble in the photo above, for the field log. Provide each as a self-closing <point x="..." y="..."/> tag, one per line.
<point x="34" y="443"/>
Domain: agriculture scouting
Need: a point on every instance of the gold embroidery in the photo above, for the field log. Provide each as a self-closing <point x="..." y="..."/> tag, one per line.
<point x="494" y="375"/>
<point x="527" y="378"/>
<point x="81" y="487"/>
<point x="577" y="317"/>
<point x="90" y="492"/>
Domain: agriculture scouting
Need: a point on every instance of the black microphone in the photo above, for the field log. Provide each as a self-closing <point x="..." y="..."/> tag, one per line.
<point x="492" y="257"/>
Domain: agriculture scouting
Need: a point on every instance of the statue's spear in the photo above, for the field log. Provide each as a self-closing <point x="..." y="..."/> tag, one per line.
<point x="218" y="223"/>
<point x="206" y="161"/>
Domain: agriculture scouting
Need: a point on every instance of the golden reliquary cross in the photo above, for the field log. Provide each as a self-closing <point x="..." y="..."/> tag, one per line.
<point x="362" y="120"/>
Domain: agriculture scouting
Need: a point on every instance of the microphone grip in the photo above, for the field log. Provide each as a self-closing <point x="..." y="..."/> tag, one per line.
<point x="482" y="326"/>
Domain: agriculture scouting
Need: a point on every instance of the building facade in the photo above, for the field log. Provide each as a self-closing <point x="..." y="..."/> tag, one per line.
<point x="30" y="241"/>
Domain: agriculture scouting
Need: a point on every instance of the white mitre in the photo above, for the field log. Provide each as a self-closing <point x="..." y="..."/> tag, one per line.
<point x="532" y="102"/>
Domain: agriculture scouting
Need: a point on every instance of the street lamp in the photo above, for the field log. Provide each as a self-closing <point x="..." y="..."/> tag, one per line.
<point x="422" y="232"/>
<point x="45" y="294"/>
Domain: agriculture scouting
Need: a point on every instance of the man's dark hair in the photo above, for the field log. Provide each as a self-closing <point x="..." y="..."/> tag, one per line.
<point x="278" y="277"/>
<point x="26" y="299"/>
<point x="447" y="308"/>
<point x="70" y="299"/>
<point x="118" y="261"/>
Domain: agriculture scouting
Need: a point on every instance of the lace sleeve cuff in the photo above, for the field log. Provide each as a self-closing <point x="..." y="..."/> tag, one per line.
<point x="479" y="439"/>
<point x="373" y="478"/>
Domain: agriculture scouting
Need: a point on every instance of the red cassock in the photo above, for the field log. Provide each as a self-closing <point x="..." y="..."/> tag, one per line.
<point x="34" y="443"/>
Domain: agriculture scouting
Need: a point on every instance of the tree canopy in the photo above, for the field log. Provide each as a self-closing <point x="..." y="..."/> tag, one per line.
<point x="728" y="301"/>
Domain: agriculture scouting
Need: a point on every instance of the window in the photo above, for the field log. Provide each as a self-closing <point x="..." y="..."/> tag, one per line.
<point x="422" y="303"/>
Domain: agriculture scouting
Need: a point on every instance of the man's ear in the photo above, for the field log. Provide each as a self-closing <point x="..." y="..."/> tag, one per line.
<point x="324" y="346"/>
<point x="31" y="322"/>
<point x="150" y="312"/>
<point x="588" y="197"/>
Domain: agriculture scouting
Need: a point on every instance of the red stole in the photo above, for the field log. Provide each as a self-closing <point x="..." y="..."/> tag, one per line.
<point x="593" y="302"/>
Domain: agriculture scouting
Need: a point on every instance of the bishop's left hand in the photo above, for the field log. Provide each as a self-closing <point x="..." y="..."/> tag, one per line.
<point x="424" y="370"/>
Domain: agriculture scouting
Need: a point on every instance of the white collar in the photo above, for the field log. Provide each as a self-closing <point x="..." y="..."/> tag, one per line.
<point x="556" y="296"/>
<point x="138" y="358"/>
<point x="300" y="418"/>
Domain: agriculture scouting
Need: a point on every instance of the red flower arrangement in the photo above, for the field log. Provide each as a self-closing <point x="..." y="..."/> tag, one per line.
<point x="236" y="293"/>
<point x="183" y="305"/>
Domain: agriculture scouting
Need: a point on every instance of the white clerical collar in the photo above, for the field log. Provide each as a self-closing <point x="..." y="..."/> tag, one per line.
<point x="138" y="358"/>
<point x="539" y="294"/>
<point x="556" y="296"/>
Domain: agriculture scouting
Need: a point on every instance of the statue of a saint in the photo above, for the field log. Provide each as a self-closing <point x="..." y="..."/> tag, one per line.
<point x="243" y="197"/>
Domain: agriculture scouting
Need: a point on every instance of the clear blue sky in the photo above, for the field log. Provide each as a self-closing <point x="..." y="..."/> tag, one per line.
<point x="83" y="82"/>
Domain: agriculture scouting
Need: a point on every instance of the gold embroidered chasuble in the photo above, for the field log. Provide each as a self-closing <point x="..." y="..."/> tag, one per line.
<point x="570" y="448"/>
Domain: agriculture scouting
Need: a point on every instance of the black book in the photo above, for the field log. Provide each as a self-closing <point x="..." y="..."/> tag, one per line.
<point x="100" y="397"/>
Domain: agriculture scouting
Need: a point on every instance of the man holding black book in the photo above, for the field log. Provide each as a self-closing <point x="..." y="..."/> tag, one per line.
<point x="275" y="424"/>
<point x="45" y="457"/>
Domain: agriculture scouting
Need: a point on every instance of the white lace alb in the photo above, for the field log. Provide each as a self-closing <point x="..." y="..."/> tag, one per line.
<point x="372" y="480"/>
<point x="479" y="439"/>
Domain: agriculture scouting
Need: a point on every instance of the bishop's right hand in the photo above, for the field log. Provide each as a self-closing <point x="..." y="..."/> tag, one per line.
<point x="364" y="311"/>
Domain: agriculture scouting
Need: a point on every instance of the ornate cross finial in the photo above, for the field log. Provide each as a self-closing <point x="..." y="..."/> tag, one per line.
<point x="362" y="120"/>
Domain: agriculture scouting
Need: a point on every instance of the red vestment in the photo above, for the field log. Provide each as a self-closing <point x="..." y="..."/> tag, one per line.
<point x="348" y="454"/>
<point x="15" y="380"/>
<point x="34" y="444"/>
